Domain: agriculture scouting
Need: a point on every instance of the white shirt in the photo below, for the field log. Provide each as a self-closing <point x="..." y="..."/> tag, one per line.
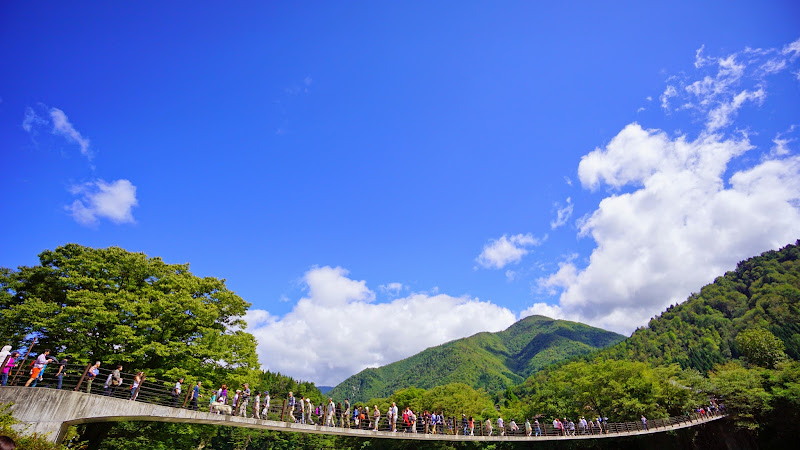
<point x="41" y="361"/>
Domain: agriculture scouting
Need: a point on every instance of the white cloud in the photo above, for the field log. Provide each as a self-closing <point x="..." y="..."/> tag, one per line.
<point x="62" y="126"/>
<point x="58" y="123"/>
<point x="562" y="214"/>
<point x="544" y="309"/>
<point x="338" y="330"/>
<point x="498" y="253"/>
<point x="792" y="50"/>
<point x="727" y="83"/>
<point x="679" y="213"/>
<point x="669" y="92"/>
<point x="677" y="230"/>
<point x="566" y="275"/>
<point x="722" y="115"/>
<point x="98" y="199"/>
<point x="32" y="121"/>
<point x="392" y="288"/>
<point x="781" y="147"/>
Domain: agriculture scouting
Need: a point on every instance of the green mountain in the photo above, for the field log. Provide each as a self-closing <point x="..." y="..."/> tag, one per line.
<point x="737" y="340"/>
<point x="763" y="292"/>
<point x="492" y="361"/>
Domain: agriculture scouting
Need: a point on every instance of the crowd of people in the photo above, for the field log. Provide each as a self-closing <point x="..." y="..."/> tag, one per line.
<point x="255" y="403"/>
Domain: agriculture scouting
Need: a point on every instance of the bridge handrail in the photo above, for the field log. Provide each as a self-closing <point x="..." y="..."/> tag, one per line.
<point x="155" y="391"/>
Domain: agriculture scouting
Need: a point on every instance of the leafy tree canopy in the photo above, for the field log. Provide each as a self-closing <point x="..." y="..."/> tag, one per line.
<point x="760" y="347"/>
<point x="122" y="307"/>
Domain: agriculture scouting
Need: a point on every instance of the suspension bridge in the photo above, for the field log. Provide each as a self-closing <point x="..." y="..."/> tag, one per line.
<point x="49" y="411"/>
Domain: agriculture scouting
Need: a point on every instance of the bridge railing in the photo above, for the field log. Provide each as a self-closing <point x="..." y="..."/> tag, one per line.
<point x="154" y="391"/>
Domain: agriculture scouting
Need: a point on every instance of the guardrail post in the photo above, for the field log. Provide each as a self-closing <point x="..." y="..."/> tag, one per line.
<point x="85" y="371"/>
<point x="283" y="410"/>
<point x="186" y="399"/>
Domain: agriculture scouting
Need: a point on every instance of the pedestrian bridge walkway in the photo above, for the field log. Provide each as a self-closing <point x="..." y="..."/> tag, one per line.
<point x="51" y="411"/>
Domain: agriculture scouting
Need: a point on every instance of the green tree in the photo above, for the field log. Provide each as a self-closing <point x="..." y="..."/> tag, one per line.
<point x="122" y="307"/>
<point x="742" y="391"/>
<point x="760" y="347"/>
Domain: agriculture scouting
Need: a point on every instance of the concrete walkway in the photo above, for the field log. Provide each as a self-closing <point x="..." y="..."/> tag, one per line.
<point x="50" y="412"/>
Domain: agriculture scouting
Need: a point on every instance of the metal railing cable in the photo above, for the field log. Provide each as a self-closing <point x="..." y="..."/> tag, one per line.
<point x="159" y="392"/>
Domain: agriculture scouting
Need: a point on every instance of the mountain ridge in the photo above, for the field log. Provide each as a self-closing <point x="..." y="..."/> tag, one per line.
<point x="485" y="360"/>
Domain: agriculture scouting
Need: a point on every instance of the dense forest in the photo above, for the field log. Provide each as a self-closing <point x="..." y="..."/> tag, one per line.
<point x="761" y="293"/>
<point x="736" y="341"/>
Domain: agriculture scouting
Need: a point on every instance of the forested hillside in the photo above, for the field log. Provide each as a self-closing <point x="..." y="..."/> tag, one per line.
<point x="736" y="341"/>
<point x="763" y="292"/>
<point x="490" y="361"/>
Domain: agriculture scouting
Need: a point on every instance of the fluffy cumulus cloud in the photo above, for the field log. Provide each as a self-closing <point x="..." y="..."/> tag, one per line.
<point x="498" y="253"/>
<point x="681" y="210"/>
<point x="100" y="200"/>
<point x="682" y="224"/>
<point x="339" y="329"/>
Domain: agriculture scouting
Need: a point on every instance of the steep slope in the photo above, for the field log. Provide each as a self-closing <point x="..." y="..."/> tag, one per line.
<point x="492" y="361"/>
<point x="763" y="292"/>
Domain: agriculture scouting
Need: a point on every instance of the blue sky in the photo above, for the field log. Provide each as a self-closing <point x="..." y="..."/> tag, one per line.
<point x="353" y="168"/>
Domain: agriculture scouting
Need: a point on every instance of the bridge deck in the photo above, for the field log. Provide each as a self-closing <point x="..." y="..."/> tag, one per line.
<point x="52" y="411"/>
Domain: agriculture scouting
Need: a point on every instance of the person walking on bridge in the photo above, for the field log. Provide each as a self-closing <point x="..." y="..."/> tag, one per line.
<point x="489" y="428"/>
<point x="376" y="417"/>
<point x="9" y="365"/>
<point x="245" y="401"/>
<point x="265" y="409"/>
<point x="91" y="375"/>
<point x="309" y="407"/>
<point x="38" y="365"/>
<point x="62" y="367"/>
<point x="291" y="401"/>
<point x="329" y="413"/>
<point x="195" y="396"/>
<point x="346" y="413"/>
<point x="302" y="404"/>
<point x="116" y="380"/>
<point x="135" y="385"/>
<point x="176" y="392"/>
